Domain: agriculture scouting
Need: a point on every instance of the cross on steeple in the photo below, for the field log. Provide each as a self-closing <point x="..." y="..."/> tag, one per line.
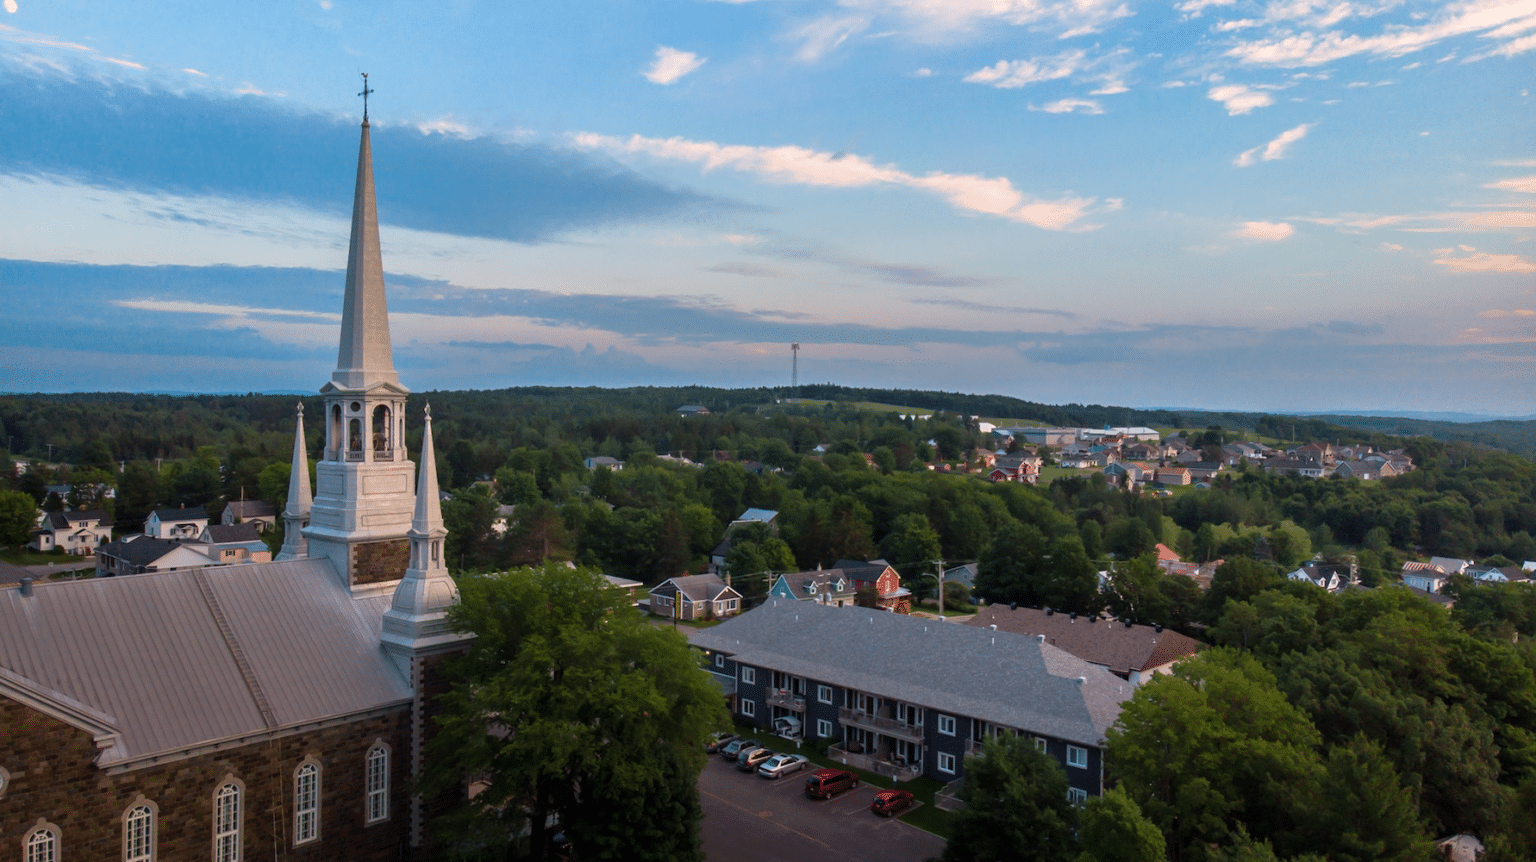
<point x="364" y="94"/>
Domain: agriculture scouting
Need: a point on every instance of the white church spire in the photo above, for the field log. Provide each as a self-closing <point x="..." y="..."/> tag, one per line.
<point x="417" y="621"/>
<point x="296" y="512"/>
<point x="365" y="357"/>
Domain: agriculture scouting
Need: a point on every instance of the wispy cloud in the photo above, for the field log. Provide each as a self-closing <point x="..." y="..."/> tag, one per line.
<point x="1240" y="98"/>
<point x="1485" y="262"/>
<point x="1275" y="149"/>
<point x="967" y="305"/>
<point x="1493" y="19"/>
<point x="1070" y="106"/>
<point x="824" y="35"/>
<point x="1264" y="231"/>
<point x="1499" y="312"/>
<point x="790" y="164"/>
<point x="671" y="64"/>
<point x="1516" y="184"/>
<point x="943" y="18"/>
<point x="1012" y="74"/>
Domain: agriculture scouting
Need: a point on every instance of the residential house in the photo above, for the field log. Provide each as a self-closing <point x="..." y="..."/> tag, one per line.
<point x="823" y="586"/>
<point x="1140" y="451"/>
<point x="597" y="461"/>
<point x="630" y="588"/>
<point x="1333" y="577"/>
<point x="1427" y="577"/>
<point x="909" y="697"/>
<point x="78" y="533"/>
<point x="1132" y="652"/>
<point x="1016" y="468"/>
<point x="1201" y="573"/>
<point x="695" y="597"/>
<point x="1140" y="433"/>
<point x="751" y="516"/>
<point x="185" y="524"/>
<point x="1130" y="475"/>
<point x="1364" y="470"/>
<point x="258" y="512"/>
<point x="964" y="573"/>
<point x="693" y="410"/>
<point x="135" y="555"/>
<point x="1203" y="471"/>
<point x="887" y="583"/>
<point x="235" y="544"/>
<point x="1451" y="565"/>
<point x="1305" y="464"/>
<point x="1173" y="476"/>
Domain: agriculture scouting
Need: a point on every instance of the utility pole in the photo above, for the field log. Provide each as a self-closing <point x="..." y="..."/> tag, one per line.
<point x="794" y="371"/>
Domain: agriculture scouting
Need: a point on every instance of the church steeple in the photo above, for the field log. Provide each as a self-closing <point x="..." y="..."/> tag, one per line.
<point x="417" y="620"/>
<point x="365" y="358"/>
<point x="296" y="512"/>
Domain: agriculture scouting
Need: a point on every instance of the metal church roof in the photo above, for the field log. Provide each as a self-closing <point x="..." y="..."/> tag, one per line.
<point x="182" y="659"/>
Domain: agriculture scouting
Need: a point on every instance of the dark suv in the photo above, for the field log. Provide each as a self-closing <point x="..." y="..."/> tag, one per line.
<point x="825" y="783"/>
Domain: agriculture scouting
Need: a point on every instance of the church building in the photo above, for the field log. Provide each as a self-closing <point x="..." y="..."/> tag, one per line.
<point x="259" y="712"/>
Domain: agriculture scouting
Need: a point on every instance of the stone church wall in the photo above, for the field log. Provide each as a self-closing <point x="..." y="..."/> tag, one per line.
<point x="52" y="777"/>
<point x="376" y="562"/>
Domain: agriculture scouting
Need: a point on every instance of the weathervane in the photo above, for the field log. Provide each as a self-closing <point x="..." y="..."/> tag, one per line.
<point x="364" y="94"/>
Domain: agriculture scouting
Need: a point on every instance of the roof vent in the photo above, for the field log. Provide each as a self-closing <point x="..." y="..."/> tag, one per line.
<point x="1013" y="606"/>
<point x="1127" y="623"/>
<point x="1094" y="618"/>
<point x="1158" y="628"/>
<point x="1040" y="638"/>
<point x="993" y="627"/>
<point x="1082" y="680"/>
<point x="26" y="586"/>
<point x="1073" y="618"/>
<point x="1049" y="612"/>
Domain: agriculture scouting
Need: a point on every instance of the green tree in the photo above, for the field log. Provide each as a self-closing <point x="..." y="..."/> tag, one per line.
<point x="1015" y="807"/>
<point x="911" y="541"/>
<point x="18" y="514"/>
<point x="1114" y="830"/>
<point x="1007" y="569"/>
<point x="567" y="704"/>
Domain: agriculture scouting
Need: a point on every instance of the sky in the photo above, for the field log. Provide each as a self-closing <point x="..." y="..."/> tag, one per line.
<point x="1291" y="205"/>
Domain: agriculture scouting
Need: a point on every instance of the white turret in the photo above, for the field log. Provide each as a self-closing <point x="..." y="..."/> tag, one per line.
<point x="417" y="622"/>
<point x="296" y="512"/>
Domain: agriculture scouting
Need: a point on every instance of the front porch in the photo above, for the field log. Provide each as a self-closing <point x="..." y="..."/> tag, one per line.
<point x="872" y="763"/>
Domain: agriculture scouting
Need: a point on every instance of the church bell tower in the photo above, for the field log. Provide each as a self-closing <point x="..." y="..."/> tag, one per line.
<point x="363" y="497"/>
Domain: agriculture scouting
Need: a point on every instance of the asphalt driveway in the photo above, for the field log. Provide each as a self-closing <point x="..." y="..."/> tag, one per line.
<point x="750" y="818"/>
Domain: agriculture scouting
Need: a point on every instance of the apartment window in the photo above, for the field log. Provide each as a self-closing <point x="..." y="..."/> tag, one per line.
<point x="947" y="725"/>
<point x="139" y="832"/>
<point x="42" y="843"/>
<point x="1040" y="744"/>
<point x="823" y="728"/>
<point x="749" y="675"/>
<point x="1077" y="757"/>
<point x="946" y="763"/>
<point x="824" y="693"/>
<point x="377" y="803"/>
<point x="719" y="659"/>
<point x="749" y="708"/>
<point x="1076" y="796"/>
<point x="306" y="802"/>
<point x="226" y="823"/>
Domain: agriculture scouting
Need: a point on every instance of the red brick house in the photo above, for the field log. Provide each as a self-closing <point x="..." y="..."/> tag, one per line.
<point x="887" y="583"/>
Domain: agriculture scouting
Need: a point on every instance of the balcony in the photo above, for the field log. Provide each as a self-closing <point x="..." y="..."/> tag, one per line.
<point x="880" y="723"/>
<point x="870" y="763"/>
<point x="786" y="699"/>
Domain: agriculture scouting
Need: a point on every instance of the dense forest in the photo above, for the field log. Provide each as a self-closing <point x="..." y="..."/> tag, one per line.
<point x="1350" y="726"/>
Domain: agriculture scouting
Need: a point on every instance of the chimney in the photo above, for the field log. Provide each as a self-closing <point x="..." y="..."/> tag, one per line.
<point x="1013" y="606"/>
<point x="26" y="587"/>
<point x="1072" y="618"/>
<point x="1049" y="612"/>
<point x="1158" y="628"/>
<point x="1127" y="623"/>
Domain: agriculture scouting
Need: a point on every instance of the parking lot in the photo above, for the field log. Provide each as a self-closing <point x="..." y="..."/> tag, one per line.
<point x="751" y="818"/>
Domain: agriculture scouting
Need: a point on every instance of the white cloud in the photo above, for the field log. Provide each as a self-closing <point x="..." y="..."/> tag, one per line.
<point x="671" y="64"/>
<point x="1264" y="231"/>
<point x="823" y="35"/>
<point x="1517" y="184"/>
<point x="924" y="72"/>
<point x="1012" y="74"/>
<point x="1391" y="246"/>
<point x="1070" y="106"/>
<point x="1275" y="149"/>
<point x="1494" y="19"/>
<point x="195" y="72"/>
<point x="1484" y="262"/>
<point x="1193" y="8"/>
<point x="10" y="6"/>
<point x="1516" y="312"/>
<point x="1238" y="24"/>
<point x="789" y="164"/>
<point x="1239" y="98"/>
<point x="941" y="18"/>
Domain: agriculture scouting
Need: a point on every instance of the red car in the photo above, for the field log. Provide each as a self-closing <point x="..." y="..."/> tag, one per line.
<point x="891" y="802"/>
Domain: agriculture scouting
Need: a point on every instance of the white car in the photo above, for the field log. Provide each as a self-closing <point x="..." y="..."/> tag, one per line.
<point x="783" y="764"/>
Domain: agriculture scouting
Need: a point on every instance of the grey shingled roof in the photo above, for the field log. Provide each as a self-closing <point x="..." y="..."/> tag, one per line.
<point x="148" y="653"/>
<point x="233" y="534"/>
<point x="144" y="550"/>
<point x="65" y="520"/>
<point x="698" y="588"/>
<point x="195" y="513"/>
<point x="1107" y="643"/>
<point x="252" y="509"/>
<point x="1001" y="678"/>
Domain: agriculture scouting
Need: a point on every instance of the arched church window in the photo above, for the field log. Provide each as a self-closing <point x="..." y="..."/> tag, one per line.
<point x="333" y="440"/>
<point x="355" y="435"/>
<point x="381" y="429"/>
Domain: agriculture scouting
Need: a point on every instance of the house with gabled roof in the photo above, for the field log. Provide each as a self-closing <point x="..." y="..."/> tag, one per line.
<point x="880" y="575"/>
<point x="1134" y="653"/>
<point x="908" y="696"/>
<point x="182" y="523"/>
<point x="695" y="597"/>
<point x="823" y="586"/>
<point x="78" y="533"/>
<point x="234" y="544"/>
<point x="258" y="512"/>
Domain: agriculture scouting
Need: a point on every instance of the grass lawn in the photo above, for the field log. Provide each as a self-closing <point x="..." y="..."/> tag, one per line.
<point x="25" y="557"/>
<point x="926" y="816"/>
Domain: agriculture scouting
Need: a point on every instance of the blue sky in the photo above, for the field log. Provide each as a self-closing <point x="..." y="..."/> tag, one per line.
<point x="1286" y="205"/>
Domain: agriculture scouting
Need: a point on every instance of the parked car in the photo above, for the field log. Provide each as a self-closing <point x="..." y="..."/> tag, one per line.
<point x="720" y="740"/>
<point x="891" y="802"/>
<point x="825" y="783"/>
<point x="732" y="749"/>
<point x="781" y="765"/>
<point x="748" y="760"/>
